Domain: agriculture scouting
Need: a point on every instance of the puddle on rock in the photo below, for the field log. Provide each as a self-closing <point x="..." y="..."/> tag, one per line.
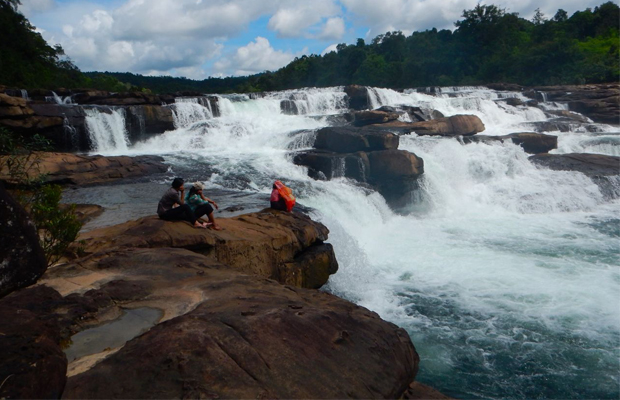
<point x="114" y="334"/>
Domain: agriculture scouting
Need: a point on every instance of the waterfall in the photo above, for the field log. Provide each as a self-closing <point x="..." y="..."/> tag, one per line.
<point x="188" y="110"/>
<point x="59" y="100"/>
<point x="106" y="130"/>
<point x="505" y="274"/>
<point x="24" y="94"/>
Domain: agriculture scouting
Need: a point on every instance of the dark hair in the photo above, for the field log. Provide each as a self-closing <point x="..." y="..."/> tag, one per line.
<point x="192" y="191"/>
<point x="177" y="183"/>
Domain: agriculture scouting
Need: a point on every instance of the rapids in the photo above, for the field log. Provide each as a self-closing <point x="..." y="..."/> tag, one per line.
<point x="506" y="275"/>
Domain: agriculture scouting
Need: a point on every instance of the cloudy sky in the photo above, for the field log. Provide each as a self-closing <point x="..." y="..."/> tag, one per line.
<point x="201" y="38"/>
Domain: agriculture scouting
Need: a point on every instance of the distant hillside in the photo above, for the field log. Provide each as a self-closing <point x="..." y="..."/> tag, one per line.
<point x="488" y="45"/>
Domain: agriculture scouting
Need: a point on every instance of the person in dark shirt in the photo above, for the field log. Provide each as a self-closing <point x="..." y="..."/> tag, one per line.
<point x="175" y="196"/>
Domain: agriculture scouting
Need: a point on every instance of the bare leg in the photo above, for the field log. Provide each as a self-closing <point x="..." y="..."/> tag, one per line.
<point x="212" y="221"/>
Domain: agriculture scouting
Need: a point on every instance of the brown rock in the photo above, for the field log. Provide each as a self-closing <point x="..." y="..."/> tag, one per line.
<point x="67" y="168"/>
<point x="250" y="338"/>
<point x="358" y="97"/>
<point x="350" y="139"/>
<point x="33" y="364"/>
<point x="456" y="125"/>
<point x="268" y="243"/>
<point x="22" y="260"/>
<point x="11" y="101"/>
<point x="532" y="142"/>
<point x="362" y="118"/>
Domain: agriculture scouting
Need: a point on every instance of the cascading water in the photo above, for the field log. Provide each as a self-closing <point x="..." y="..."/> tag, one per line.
<point x="505" y="274"/>
<point x="107" y="130"/>
<point x="187" y="110"/>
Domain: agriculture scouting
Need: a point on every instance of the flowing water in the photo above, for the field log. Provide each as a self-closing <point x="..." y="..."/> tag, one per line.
<point x="506" y="275"/>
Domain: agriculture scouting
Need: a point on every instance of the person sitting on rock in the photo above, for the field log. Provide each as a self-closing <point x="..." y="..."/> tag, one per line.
<point x="276" y="200"/>
<point x="172" y="205"/>
<point x="201" y="205"/>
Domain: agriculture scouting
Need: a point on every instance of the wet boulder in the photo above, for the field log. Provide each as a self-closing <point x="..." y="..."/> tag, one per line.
<point x="456" y="125"/>
<point x="142" y="121"/>
<point x="395" y="174"/>
<point x="358" y="97"/>
<point x="350" y="139"/>
<point x="532" y="142"/>
<point x="363" y="118"/>
<point x="289" y="107"/>
<point x="327" y="165"/>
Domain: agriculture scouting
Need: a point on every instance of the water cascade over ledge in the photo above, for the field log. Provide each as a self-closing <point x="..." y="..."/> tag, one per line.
<point x="504" y="273"/>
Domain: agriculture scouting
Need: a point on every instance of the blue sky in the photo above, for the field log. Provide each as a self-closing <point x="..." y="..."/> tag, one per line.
<point x="202" y="38"/>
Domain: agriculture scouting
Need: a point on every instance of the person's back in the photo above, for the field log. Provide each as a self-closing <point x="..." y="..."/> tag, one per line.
<point x="168" y="200"/>
<point x="276" y="200"/>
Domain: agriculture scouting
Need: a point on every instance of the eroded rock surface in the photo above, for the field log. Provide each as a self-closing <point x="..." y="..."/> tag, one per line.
<point x="250" y="338"/>
<point x="269" y="243"/>
<point x="532" y="142"/>
<point x="74" y="169"/>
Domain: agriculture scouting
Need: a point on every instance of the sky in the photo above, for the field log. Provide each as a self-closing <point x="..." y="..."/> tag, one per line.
<point x="197" y="39"/>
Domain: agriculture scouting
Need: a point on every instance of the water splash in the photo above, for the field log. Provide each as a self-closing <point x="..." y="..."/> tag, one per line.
<point x="107" y="130"/>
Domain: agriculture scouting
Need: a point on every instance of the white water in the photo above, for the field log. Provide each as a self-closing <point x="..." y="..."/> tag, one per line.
<point x="60" y="100"/>
<point x="107" y="131"/>
<point x="505" y="275"/>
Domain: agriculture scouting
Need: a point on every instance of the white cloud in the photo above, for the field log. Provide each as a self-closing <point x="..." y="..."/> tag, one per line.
<point x="294" y="20"/>
<point x="258" y="56"/>
<point x="329" y="49"/>
<point x="418" y="15"/>
<point x="333" y="30"/>
<point x="31" y="7"/>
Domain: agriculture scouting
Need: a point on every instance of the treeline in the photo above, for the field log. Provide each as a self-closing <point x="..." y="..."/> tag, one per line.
<point x="28" y="61"/>
<point x="488" y="45"/>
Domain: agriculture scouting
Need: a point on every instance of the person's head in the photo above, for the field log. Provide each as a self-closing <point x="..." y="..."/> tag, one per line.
<point x="177" y="183"/>
<point x="197" y="187"/>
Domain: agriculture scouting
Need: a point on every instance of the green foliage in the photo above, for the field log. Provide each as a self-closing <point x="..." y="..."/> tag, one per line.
<point x="57" y="227"/>
<point x="488" y="45"/>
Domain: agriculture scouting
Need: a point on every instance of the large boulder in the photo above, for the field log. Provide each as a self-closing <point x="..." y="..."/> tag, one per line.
<point x="348" y="139"/>
<point x="22" y="260"/>
<point x="245" y="338"/>
<point x="33" y="364"/>
<point x="363" y="118"/>
<point x="327" y="165"/>
<point x="74" y="169"/>
<point x="269" y="243"/>
<point x="143" y="121"/>
<point x="532" y="142"/>
<point x="456" y="125"/>
<point x="358" y="97"/>
<point x="395" y="174"/>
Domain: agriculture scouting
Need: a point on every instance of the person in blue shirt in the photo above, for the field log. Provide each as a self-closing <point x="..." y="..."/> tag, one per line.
<point x="201" y="205"/>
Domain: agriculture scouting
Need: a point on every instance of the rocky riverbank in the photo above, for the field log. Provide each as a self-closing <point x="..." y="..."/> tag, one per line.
<point x="234" y="318"/>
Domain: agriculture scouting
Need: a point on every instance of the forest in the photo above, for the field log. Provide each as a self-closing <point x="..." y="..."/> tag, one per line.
<point x="488" y="45"/>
